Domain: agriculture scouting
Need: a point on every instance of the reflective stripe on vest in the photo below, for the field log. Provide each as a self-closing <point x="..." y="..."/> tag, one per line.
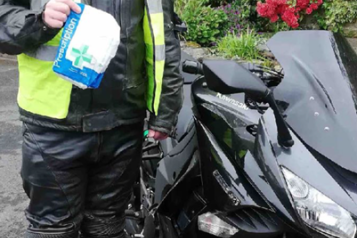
<point x="44" y="53"/>
<point x="154" y="34"/>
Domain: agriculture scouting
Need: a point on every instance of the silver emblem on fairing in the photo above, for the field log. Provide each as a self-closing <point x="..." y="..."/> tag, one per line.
<point x="232" y="101"/>
<point x="226" y="188"/>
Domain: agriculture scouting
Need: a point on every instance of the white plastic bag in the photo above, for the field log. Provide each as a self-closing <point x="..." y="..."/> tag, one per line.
<point x="89" y="41"/>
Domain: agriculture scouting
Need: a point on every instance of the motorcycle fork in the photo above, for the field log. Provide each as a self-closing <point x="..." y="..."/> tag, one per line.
<point x="146" y="196"/>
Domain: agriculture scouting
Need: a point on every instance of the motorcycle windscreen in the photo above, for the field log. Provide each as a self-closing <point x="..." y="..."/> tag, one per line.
<point x="318" y="92"/>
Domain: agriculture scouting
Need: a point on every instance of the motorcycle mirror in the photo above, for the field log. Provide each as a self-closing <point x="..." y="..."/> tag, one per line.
<point x="228" y="77"/>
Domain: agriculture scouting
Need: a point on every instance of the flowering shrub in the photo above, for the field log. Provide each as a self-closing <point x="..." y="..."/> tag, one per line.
<point x="233" y="13"/>
<point x="289" y="11"/>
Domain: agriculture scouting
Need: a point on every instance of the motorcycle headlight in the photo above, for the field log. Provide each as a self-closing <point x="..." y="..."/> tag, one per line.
<point x="318" y="211"/>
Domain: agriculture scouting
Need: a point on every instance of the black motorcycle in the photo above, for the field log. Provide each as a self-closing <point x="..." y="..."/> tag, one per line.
<point x="258" y="153"/>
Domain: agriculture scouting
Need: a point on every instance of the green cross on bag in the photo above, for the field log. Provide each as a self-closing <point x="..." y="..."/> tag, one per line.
<point x="81" y="56"/>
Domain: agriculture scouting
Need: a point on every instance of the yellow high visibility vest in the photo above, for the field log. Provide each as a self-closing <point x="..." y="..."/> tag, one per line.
<point x="44" y="93"/>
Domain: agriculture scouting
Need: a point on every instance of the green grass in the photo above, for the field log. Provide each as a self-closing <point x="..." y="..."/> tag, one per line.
<point x="244" y="46"/>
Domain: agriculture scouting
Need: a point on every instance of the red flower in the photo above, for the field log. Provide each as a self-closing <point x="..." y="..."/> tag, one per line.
<point x="274" y="18"/>
<point x="273" y="9"/>
<point x="309" y="10"/>
<point x="290" y="18"/>
<point x="281" y="9"/>
<point x="314" y="6"/>
<point x="265" y="10"/>
<point x="302" y="3"/>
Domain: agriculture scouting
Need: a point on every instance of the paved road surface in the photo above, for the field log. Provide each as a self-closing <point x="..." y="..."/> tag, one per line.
<point x="12" y="199"/>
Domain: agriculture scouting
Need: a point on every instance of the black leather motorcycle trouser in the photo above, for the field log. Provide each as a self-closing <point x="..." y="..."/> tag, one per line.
<point x="79" y="183"/>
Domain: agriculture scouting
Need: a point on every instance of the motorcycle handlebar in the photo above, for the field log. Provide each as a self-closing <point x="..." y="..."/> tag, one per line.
<point x="192" y="67"/>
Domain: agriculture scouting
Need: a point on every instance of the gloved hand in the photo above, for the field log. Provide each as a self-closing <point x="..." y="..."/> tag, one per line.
<point x="157" y="135"/>
<point x="57" y="11"/>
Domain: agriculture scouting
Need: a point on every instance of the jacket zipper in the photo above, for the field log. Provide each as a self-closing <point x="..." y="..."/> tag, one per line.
<point x="120" y="7"/>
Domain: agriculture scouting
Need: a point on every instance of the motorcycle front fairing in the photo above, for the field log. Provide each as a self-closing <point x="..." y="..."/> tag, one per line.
<point x="318" y="92"/>
<point x="318" y="97"/>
